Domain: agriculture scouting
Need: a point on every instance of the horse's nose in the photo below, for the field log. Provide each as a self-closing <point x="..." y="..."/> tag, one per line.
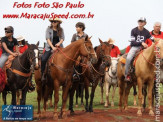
<point x="36" y="67"/>
<point x="114" y="73"/>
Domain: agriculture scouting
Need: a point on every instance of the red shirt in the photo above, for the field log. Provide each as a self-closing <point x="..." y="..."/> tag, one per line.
<point x="0" y="51"/>
<point x="22" y="49"/>
<point x="157" y="36"/>
<point x="115" y="51"/>
<point x="127" y="49"/>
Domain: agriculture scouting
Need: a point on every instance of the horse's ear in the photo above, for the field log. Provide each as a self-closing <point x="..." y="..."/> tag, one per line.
<point x="90" y="37"/>
<point x="86" y="38"/>
<point x="38" y="43"/>
<point x="100" y="41"/>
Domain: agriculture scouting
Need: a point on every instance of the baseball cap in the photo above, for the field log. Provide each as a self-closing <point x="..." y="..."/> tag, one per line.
<point x="9" y="29"/>
<point x="142" y="19"/>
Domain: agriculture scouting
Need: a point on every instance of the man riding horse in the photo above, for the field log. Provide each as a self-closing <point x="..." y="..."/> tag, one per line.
<point x="138" y="37"/>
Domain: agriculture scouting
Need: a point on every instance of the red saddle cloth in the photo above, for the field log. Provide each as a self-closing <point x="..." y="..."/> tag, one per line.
<point x="2" y="80"/>
<point x="3" y="77"/>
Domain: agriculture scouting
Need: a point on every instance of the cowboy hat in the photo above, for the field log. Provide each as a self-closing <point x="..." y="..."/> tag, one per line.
<point x="111" y="41"/>
<point x="20" y="38"/>
<point x="55" y="19"/>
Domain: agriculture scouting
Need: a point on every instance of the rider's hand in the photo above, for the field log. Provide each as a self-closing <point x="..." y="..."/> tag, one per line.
<point x="15" y="54"/>
<point x="58" y="44"/>
<point x="144" y="45"/>
<point x="54" y="48"/>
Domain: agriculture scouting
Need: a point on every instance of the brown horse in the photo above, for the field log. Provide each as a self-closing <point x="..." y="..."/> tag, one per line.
<point x="144" y="74"/>
<point x="60" y="70"/>
<point x="93" y="73"/>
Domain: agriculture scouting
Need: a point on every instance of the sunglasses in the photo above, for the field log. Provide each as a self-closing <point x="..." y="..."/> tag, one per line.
<point x="54" y="21"/>
<point x="7" y="32"/>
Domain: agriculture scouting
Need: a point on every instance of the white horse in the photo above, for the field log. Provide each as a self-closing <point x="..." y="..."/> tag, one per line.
<point x="111" y="80"/>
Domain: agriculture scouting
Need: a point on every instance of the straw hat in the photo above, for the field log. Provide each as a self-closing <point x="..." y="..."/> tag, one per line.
<point x="111" y="41"/>
<point x="20" y="38"/>
<point x="55" y="19"/>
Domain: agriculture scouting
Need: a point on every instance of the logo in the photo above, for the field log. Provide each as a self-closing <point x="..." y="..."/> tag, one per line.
<point x="17" y="112"/>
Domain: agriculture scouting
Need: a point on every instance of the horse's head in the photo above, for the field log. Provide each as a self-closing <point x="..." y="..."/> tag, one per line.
<point x="159" y="47"/>
<point x="87" y="50"/>
<point x="114" y="62"/>
<point x="33" y="54"/>
<point x="104" y="52"/>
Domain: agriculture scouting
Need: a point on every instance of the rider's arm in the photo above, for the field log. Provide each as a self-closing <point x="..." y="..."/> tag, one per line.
<point x="6" y="49"/>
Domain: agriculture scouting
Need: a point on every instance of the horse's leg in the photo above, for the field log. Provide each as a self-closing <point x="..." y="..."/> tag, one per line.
<point x="82" y="90"/>
<point x="127" y="91"/>
<point x="71" y="96"/>
<point x="139" y="82"/>
<point x="17" y="97"/>
<point x="39" y="94"/>
<point x="13" y="97"/>
<point x="23" y="100"/>
<point x="121" y="85"/>
<point x="4" y="94"/>
<point x="150" y="87"/>
<point x="50" y="98"/>
<point x="56" y="98"/>
<point x="86" y="84"/>
<point x="92" y="96"/>
<point x="114" y="89"/>
<point x="64" y="98"/>
<point x="135" y="94"/>
<point x="102" y="91"/>
<point x="77" y="95"/>
<point x="107" y="94"/>
<point x="144" y="91"/>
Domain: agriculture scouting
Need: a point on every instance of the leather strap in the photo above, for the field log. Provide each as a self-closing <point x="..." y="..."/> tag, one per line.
<point x="20" y="73"/>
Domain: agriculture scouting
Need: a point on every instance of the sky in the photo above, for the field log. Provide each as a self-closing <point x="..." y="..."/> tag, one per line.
<point x="112" y="19"/>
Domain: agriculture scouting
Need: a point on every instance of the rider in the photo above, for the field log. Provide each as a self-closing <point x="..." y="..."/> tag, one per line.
<point x="138" y="37"/>
<point x="115" y="52"/>
<point x="22" y="44"/>
<point x="80" y="27"/>
<point x="156" y="32"/>
<point x="54" y="37"/>
<point x="8" y="43"/>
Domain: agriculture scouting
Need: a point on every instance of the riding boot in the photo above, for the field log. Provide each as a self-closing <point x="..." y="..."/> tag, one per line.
<point x="31" y="86"/>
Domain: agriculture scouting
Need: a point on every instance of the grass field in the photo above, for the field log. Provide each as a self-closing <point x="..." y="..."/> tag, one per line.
<point x="32" y="100"/>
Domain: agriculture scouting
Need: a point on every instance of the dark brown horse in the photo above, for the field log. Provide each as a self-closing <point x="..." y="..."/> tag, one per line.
<point x="93" y="74"/>
<point x="60" y="68"/>
<point x="16" y="81"/>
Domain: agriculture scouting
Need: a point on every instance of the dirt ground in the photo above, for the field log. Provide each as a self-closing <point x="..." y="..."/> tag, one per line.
<point x="99" y="115"/>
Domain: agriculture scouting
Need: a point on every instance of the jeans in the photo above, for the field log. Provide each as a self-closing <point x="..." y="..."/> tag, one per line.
<point x="44" y="59"/>
<point x="3" y="59"/>
<point x="130" y="56"/>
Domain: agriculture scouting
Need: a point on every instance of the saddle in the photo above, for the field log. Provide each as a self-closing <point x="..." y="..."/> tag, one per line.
<point x="133" y="62"/>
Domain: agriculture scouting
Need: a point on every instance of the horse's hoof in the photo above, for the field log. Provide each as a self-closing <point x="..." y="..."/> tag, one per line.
<point x="76" y="106"/>
<point x="151" y="113"/>
<point x="143" y="110"/>
<point x="86" y="109"/>
<point x="101" y="102"/>
<point x="139" y="113"/>
<point x="64" y="115"/>
<point x="106" y="105"/>
<point x="55" y="117"/>
<point x="82" y="105"/>
<point x="112" y="104"/>
<point x="126" y="108"/>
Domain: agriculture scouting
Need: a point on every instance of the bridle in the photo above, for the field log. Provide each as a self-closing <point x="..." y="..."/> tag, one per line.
<point x="30" y="58"/>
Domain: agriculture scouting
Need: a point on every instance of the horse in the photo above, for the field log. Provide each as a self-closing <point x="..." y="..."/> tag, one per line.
<point x="111" y="80"/>
<point x="144" y="74"/>
<point x="19" y="73"/>
<point x="39" y="85"/>
<point x="60" y="70"/>
<point x="93" y="73"/>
